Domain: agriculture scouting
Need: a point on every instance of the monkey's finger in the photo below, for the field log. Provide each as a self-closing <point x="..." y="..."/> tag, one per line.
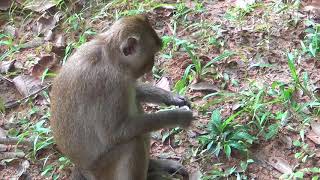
<point x="185" y="108"/>
<point x="183" y="101"/>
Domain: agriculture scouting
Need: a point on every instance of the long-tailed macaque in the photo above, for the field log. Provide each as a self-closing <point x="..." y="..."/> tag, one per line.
<point x="97" y="119"/>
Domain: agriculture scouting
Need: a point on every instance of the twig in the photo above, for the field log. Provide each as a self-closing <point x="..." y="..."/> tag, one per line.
<point x="14" y="141"/>
<point x="12" y="104"/>
<point x="6" y="79"/>
<point x="11" y="155"/>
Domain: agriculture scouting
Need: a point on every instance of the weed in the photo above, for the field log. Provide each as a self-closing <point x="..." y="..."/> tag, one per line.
<point x="226" y="135"/>
<point x="11" y="47"/>
<point x="311" y="44"/>
<point x="198" y="69"/>
<point x="218" y="172"/>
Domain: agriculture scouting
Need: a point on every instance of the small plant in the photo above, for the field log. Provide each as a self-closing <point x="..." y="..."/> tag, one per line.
<point x="218" y="172"/>
<point x="226" y="135"/>
<point x="38" y="132"/>
<point x="11" y="47"/>
<point x="311" y="44"/>
<point x="200" y="70"/>
<point x="239" y="12"/>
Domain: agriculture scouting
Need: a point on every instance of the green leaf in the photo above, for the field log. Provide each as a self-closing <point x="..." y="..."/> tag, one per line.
<point x="299" y="174"/>
<point x="209" y="146"/>
<point x="227" y="150"/>
<point x="216" y="151"/>
<point x="273" y="130"/>
<point x="216" y="119"/>
<point x="2" y="105"/>
<point x="238" y="145"/>
<point x="245" y="136"/>
<point x="224" y="55"/>
<point x="292" y="67"/>
<point x="230" y="119"/>
<point x="296" y="143"/>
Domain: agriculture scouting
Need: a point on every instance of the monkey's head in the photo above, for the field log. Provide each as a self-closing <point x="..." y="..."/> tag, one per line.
<point x="137" y="43"/>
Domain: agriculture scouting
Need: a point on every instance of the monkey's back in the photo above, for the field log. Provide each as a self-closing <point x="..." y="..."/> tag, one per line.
<point x="87" y="97"/>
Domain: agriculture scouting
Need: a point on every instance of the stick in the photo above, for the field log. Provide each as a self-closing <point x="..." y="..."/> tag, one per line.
<point x="14" y="141"/>
<point x="12" y="104"/>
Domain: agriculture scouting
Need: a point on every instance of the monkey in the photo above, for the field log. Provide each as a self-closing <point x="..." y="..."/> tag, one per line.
<point x="96" y="117"/>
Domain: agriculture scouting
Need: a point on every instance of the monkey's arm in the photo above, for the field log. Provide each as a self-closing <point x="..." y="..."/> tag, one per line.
<point x="136" y="125"/>
<point x="145" y="123"/>
<point x="152" y="94"/>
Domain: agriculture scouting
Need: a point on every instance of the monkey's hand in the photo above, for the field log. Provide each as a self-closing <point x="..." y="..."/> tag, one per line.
<point x="178" y="100"/>
<point x="185" y="116"/>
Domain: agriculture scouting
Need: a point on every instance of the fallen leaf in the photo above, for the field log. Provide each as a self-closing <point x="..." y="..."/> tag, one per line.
<point x="6" y="66"/>
<point x="313" y="137"/>
<point x="46" y="23"/>
<point x="164" y="84"/>
<point x="196" y="175"/>
<point x="59" y="45"/>
<point x="313" y="5"/>
<point x="8" y="29"/>
<point x="280" y="164"/>
<point x="26" y="84"/>
<point x="48" y="36"/>
<point x="315" y="126"/>
<point x="33" y="43"/>
<point x="23" y="167"/>
<point x="3" y="134"/>
<point x="204" y="86"/>
<point x="45" y="62"/>
<point x="286" y="140"/>
<point x="60" y="41"/>
<point x="37" y="5"/>
<point x="244" y="3"/>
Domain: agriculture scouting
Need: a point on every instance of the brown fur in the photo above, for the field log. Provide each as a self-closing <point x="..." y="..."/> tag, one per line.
<point x="96" y="118"/>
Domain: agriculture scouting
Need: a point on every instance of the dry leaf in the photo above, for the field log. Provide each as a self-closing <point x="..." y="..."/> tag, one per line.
<point x="8" y="29"/>
<point x="60" y="41"/>
<point x="315" y="126"/>
<point x="244" y="3"/>
<point x="23" y="167"/>
<point x="314" y="5"/>
<point x="286" y="140"/>
<point x="48" y="36"/>
<point x="6" y="66"/>
<point x="47" y="23"/>
<point x="44" y="63"/>
<point x="196" y="175"/>
<point x="33" y="43"/>
<point x="204" y="86"/>
<point x="280" y="164"/>
<point x="313" y="137"/>
<point x="37" y="5"/>
<point x="164" y="84"/>
<point x="26" y="84"/>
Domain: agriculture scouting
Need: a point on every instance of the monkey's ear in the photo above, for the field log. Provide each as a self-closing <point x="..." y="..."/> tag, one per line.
<point x="129" y="47"/>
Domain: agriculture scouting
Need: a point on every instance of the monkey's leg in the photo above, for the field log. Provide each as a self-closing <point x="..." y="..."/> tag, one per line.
<point x="152" y="94"/>
<point x="169" y="166"/>
<point x="158" y="175"/>
<point x="76" y="174"/>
